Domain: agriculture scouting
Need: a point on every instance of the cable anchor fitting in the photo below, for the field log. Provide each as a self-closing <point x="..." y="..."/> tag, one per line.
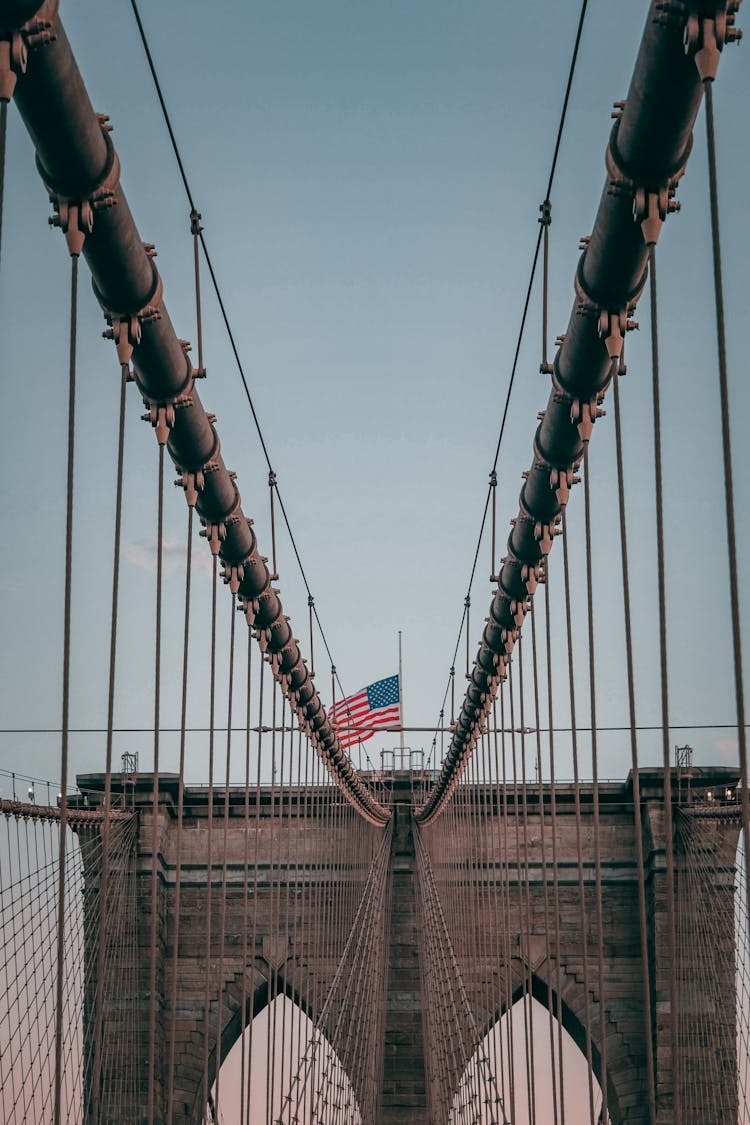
<point x="215" y="533"/>
<point x="583" y="415"/>
<point x="509" y="638"/>
<point x="161" y="415"/>
<point x="248" y="606"/>
<point x="544" y="533"/>
<point x="197" y="372"/>
<point x="15" y="46"/>
<point x="519" y="609"/>
<point x="13" y="59"/>
<point x="705" y="36"/>
<point x="650" y="209"/>
<point x="75" y="220"/>
<point x="191" y="482"/>
<point x="37" y="31"/>
<point x="561" y="481"/>
<point x="532" y="574"/>
<point x="126" y="333"/>
<point x="651" y="202"/>
<point x="612" y="329"/>
<point x="125" y="326"/>
<point x="74" y="214"/>
<point x="232" y="575"/>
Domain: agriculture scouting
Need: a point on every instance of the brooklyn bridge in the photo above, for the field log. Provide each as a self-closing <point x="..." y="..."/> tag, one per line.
<point x="219" y="903"/>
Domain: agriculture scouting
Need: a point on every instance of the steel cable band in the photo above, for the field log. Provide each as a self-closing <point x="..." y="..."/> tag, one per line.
<point x="74" y="150"/>
<point x="645" y="158"/>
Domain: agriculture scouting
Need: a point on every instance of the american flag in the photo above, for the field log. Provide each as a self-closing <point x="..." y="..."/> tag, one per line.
<point x="371" y="709"/>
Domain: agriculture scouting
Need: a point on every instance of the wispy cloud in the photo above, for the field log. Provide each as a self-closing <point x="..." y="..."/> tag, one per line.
<point x="142" y="553"/>
<point x="727" y="750"/>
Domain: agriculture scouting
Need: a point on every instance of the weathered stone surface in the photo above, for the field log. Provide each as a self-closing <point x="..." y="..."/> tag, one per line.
<point x="294" y="851"/>
<point x="404" y="1097"/>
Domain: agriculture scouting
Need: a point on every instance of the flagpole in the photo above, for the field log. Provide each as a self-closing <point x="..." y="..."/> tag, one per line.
<point x="401" y="697"/>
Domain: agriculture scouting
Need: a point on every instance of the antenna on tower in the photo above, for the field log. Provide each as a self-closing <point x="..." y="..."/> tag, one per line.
<point x="684" y="762"/>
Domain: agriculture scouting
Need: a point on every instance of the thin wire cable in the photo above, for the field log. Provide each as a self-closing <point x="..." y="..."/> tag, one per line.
<point x="664" y="684"/>
<point x="543" y="851"/>
<point x="3" y="139"/>
<point x="728" y="474"/>
<point x="595" y="773"/>
<point x="224" y="857"/>
<point x="154" y="921"/>
<point x="637" y="816"/>
<point x="246" y="873"/>
<point x="615" y="728"/>
<point x="66" y="688"/>
<point x="522" y="327"/>
<point x="96" y="1083"/>
<point x="225" y="318"/>
<point x="582" y="913"/>
<point x="180" y="812"/>
<point x="209" y="835"/>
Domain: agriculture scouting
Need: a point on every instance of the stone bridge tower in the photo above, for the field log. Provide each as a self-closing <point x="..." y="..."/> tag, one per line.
<point x="710" y="831"/>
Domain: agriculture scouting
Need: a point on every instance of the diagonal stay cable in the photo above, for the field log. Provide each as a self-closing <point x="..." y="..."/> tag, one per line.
<point x="522" y="325"/>
<point x="225" y="317"/>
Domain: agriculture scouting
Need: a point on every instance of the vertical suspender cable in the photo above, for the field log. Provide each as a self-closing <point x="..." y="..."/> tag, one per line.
<point x="668" y="827"/>
<point x="104" y="878"/>
<point x="595" y="775"/>
<point x="489" y="926"/>
<point x="304" y="906"/>
<point x="3" y="139"/>
<point x="508" y="967"/>
<point x="523" y="943"/>
<point x="256" y="841"/>
<point x="637" y="815"/>
<point x="271" y="487"/>
<point x="278" y="815"/>
<point x="155" y="802"/>
<point x="180" y="812"/>
<point x="529" y="920"/>
<point x="493" y="549"/>
<point x="543" y="850"/>
<point x="579" y="838"/>
<point x="289" y="982"/>
<point x="209" y="835"/>
<point x="65" y="693"/>
<point x="224" y="846"/>
<point x="500" y="918"/>
<point x="728" y="476"/>
<point x="195" y="230"/>
<point x="245" y="880"/>
<point x="545" y="219"/>
<point x="271" y="898"/>
<point x="553" y="833"/>
<point x="310" y="605"/>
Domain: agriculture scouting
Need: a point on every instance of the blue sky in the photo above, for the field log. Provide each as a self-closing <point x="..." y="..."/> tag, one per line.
<point x="369" y="176"/>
